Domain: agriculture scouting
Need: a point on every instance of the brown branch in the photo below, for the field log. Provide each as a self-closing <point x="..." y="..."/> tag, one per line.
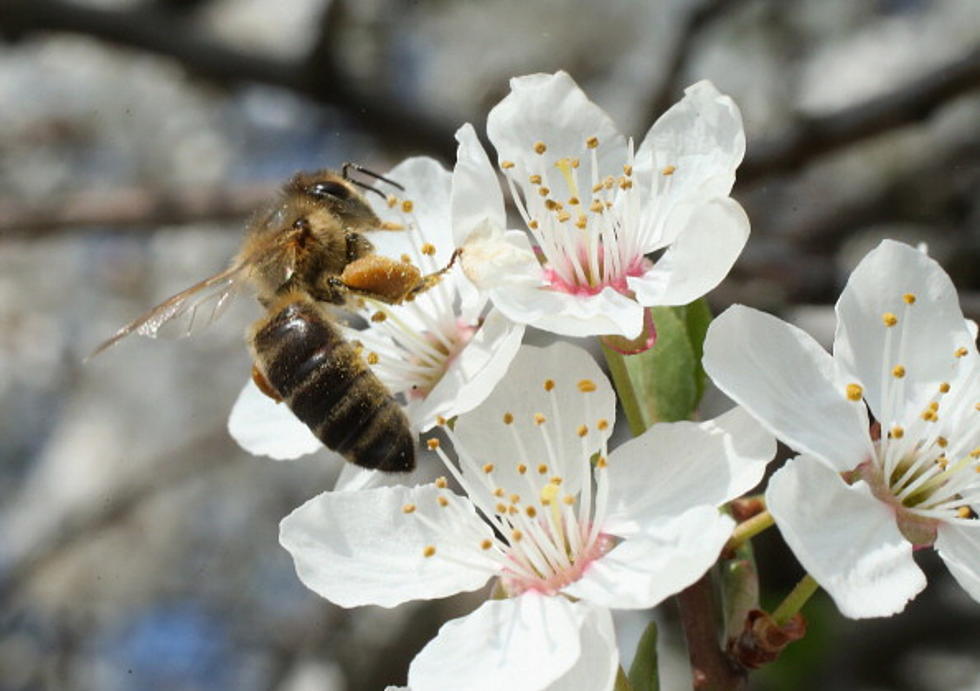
<point x="692" y="26"/>
<point x="130" y="208"/>
<point x="150" y="29"/>
<point x="710" y="667"/>
<point x="814" y="136"/>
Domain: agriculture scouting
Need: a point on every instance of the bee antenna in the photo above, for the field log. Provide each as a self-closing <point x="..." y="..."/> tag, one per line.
<point x="368" y="188"/>
<point x="361" y="169"/>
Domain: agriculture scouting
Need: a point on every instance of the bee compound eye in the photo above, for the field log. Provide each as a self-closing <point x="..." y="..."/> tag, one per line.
<point x="328" y="188"/>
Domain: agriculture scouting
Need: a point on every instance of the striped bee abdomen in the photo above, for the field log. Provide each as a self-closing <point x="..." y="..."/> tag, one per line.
<point x="330" y="388"/>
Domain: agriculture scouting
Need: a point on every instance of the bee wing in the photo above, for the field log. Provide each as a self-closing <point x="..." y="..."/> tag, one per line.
<point x="217" y="290"/>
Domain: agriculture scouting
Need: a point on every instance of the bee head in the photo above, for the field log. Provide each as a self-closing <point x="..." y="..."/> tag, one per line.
<point x="338" y="196"/>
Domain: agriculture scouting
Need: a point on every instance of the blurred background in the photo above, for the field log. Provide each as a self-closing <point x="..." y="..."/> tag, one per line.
<point x="138" y="544"/>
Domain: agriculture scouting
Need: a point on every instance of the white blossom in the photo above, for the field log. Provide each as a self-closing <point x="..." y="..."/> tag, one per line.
<point x="441" y="353"/>
<point x="867" y="491"/>
<point x="566" y="529"/>
<point x="596" y="208"/>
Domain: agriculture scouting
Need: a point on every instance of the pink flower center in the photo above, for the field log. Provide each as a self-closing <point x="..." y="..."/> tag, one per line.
<point x="596" y="285"/>
<point x="551" y="582"/>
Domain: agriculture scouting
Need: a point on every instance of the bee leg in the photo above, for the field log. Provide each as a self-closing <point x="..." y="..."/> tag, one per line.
<point x="430" y="280"/>
<point x="264" y="386"/>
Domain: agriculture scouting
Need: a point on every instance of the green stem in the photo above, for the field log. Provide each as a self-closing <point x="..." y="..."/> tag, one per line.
<point x="748" y="529"/>
<point x="795" y="600"/>
<point x="622" y="682"/>
<point x="624" y="388"/>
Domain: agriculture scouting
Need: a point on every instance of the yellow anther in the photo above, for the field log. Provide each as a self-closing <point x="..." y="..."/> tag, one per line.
<point x="573" y="201"/>
<point x="372" y="358"/>
<point x="898" y="371"/>
<point x="391" y="225"/>
<point x="929" y="415"/>
<point x="944" y="387"/>
<point x="540" y="148"/>
<point x="942" y="462"/>
<point x="532" y="224"/>
<point x="539" y="419"/>
<point x="575" y="163"/>
<point x="975" y="453"/>
<point x="488" y="468"/>
<point x="535" y="179"/>
<point x="407" y="206"/>
<point x="568" y="499"/>
<point x="521" y="468"/>
<point x="548" y="494"/>
<point x="596" y="187"/>
<point x="964" y="512"/>
<point x="909" y="298"/>
<point x="391" y="200"/>
<point x="549" y="384"/>
<point x="409" y="508"/>
<point x="508" y="418"/>
<point x="432" y="443"/>
<point x="563" y="216"/>
<point x="582" y="430"/>
<point x="596" y="206"/>
<point x="602" y="462"/>
<point x="440" y="420"/>
<point x="543" y="469"/>
<point x="961" y="352"/>
<point x="443" y="502"/>
<point x="486" y="544"/>
<point x="556" y="480"/>
<point x="854" y="392"/>
<point x="501" y="508"/>
<point x="499" y="492"/>
<point x="586" y="385"/>
<point x="602" y="423"/>
<point x="628" y="169"/>
<point x="442" y="482"/>
<point x="551" y="205"/>
<point x="517" y="536"/>
<point x="976" y="406"/>
<point x="668" y="170"/>
<point x="531" y="512"/>
<point x="406" y="259"/>
<point x="897" y="432"/>
<point x="582" y="222"/>
<point x="515" y="499"/>
<point x="512" y="511"/>
<point x="889" y="319"/>
<point x="608" y="182"/>
<point x="592" y="142"/>
<point x="934" y="406"/>
<point x="943" y="442"/>
<point x="379" y="316"/>
<point x="608" y="205"/>
<point x="428" y="249"/>
<point x="625" y="184"/>
<point x="544" y="191"/>
<point x="429" y="551"/>
<point x="506" y="165"/>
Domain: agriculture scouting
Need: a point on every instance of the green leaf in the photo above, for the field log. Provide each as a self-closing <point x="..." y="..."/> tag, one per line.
<point x="739" y="588"/>
<point x="643" y="674"/>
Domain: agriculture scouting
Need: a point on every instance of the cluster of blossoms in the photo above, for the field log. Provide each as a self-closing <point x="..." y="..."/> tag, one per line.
<point x="531" y="497"/>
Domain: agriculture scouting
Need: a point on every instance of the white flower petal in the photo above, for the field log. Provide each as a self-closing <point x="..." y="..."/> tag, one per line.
<point x="699" y="258"/>
<point x="472" y="375"/>
<point x="645" y="569"/>
<point x="785" y="379"/>
<point x="845" y="538"/>
<point x="476" y="196"/>
<point x="553" y="110"/>
<point x="361" y="548"/>
<point x="492" y="258"/>
<point x="596" y="667"/>
<point x="427" y="185"/>
<point x="483" y="434"/>
<point x="688" y="464"/>
<point x="266" y="428"/>
<point x="353" y="478"/>
<point x="923" y="341"/>
<point x="519" y="644"/>
<point x="608" y="312"/>
<point x="701" y="136"/>
<point x="959" y="547"/>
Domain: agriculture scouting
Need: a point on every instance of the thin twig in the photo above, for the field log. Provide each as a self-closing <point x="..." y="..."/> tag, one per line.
<point x="710" y="667"/>
<point x="814" y="136"/>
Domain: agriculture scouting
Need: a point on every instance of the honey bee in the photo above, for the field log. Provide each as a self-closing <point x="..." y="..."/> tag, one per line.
<point x="303" y="253"/>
